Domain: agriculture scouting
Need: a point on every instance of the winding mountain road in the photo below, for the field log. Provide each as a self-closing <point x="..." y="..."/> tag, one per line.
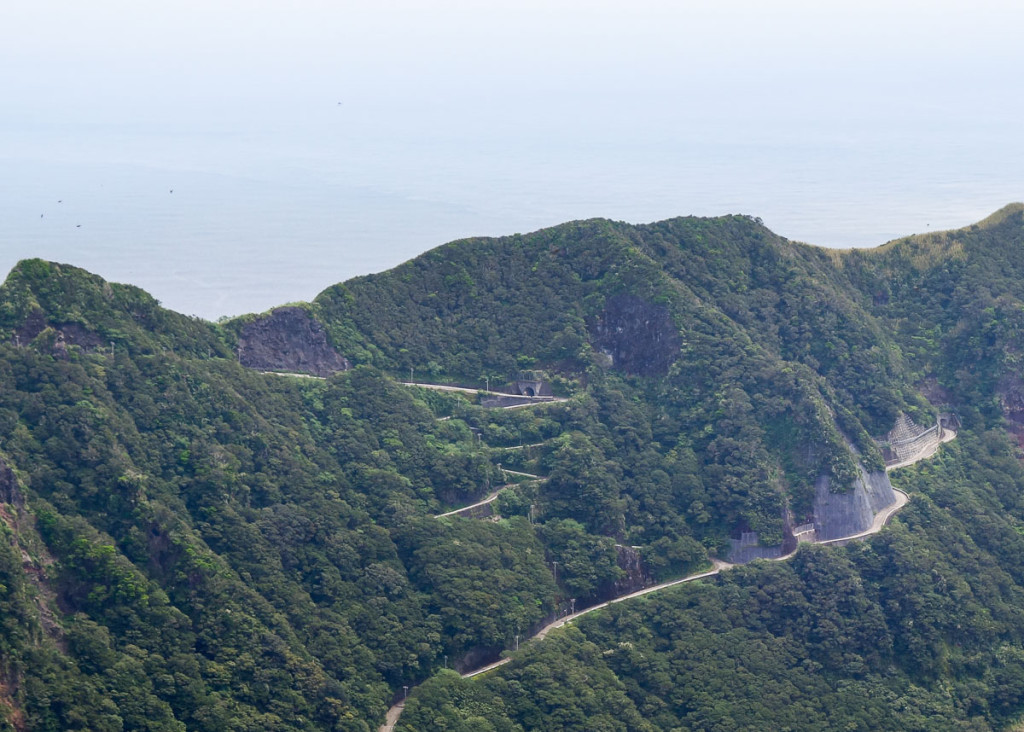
<point x="534" y="400"/>
<point x="881" y="519"/>
<point x="489" y="499"/>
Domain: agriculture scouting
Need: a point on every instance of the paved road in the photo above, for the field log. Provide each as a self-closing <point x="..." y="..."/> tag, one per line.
<point x="947" y="436"/>
<point x="880" y="520"/>
<point x="527" y="475"/>
<point x="289" y="373"/>
<point x="490" y="497"/>
<point x="392" y="717"/>
<point x="539" y="401"/>
<point x="445" y="387"/>
<point x="534" y="401"/>
<point x="484" y="502"/>
<point x="719" y="565"/>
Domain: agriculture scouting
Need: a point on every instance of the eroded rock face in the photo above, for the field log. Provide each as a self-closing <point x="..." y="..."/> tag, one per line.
<point x="637" y="576"/>
<point x="638" y="336"/>
<point x="1010" y="392"/>
<point x="69" y="334"/>
<point x="9" y="490"/>
<point x="34" y="324"/>
<point x="289" y="339"/>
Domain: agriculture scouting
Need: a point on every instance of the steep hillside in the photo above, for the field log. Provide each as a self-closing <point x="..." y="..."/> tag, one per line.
<point x="746" y="357"/>
<point x="195" y="544"/>
<point x="224" y="545"/>
<point x="954" y="300"/>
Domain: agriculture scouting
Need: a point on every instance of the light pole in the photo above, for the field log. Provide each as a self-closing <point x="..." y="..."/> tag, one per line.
<point x="406" y="696"/>
<point x="572" y="605"/>
<point x="517" y="641"/>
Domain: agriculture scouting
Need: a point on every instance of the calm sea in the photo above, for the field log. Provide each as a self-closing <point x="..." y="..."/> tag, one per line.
<point x="216" y="225"/>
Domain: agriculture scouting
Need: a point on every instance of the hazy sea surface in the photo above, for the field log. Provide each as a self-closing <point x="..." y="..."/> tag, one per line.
<point x="216" y="224"/>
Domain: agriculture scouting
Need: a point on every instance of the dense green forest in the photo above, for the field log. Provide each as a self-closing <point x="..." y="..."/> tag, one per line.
<point x="194" y="544"/>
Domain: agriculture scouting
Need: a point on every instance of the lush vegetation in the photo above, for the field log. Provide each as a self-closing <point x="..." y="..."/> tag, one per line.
<point x="192" y="545"/>
<point x="920" y="628"/>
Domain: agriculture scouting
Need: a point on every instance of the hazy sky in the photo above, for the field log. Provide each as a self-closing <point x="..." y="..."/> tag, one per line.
<point x="106" y="61"/>
<point x="421" y="120"/>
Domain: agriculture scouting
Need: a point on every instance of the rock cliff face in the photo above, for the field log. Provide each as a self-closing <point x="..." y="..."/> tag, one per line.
<point x="637" y="577"/>
<point x="9" y="490"/>
<point x="638" y="336"/>
<point x="289" y="339"/>
<point x="68" y="334"/>
<point x="843" y="514"/>
<point x="1010" y="392"/>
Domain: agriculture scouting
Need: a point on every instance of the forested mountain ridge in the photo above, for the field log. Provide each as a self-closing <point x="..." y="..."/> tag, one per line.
<point x="758" y="347"/>
<point x="193" y="544"/>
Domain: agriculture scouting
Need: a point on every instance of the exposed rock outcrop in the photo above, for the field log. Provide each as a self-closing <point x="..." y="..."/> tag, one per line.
<point x="9" y="490"/>
<point x="289" y="339"/>
<point x="1010" y="393"/>
<point x="638" y="336"/>
<point x="67" y="334"/>
<point x="637" y="576"/>
<point x="34" y="324"/>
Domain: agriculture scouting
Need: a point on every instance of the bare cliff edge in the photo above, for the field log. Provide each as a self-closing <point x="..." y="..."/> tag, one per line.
<point x="288" y="339"/>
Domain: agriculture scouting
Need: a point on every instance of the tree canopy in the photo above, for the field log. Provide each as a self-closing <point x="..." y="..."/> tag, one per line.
<point x="191" y="544"/>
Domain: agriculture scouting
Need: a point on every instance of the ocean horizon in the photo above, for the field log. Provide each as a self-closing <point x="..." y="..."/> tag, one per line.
<point x="367" y="136"/>
<point x="232" y="237"/>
